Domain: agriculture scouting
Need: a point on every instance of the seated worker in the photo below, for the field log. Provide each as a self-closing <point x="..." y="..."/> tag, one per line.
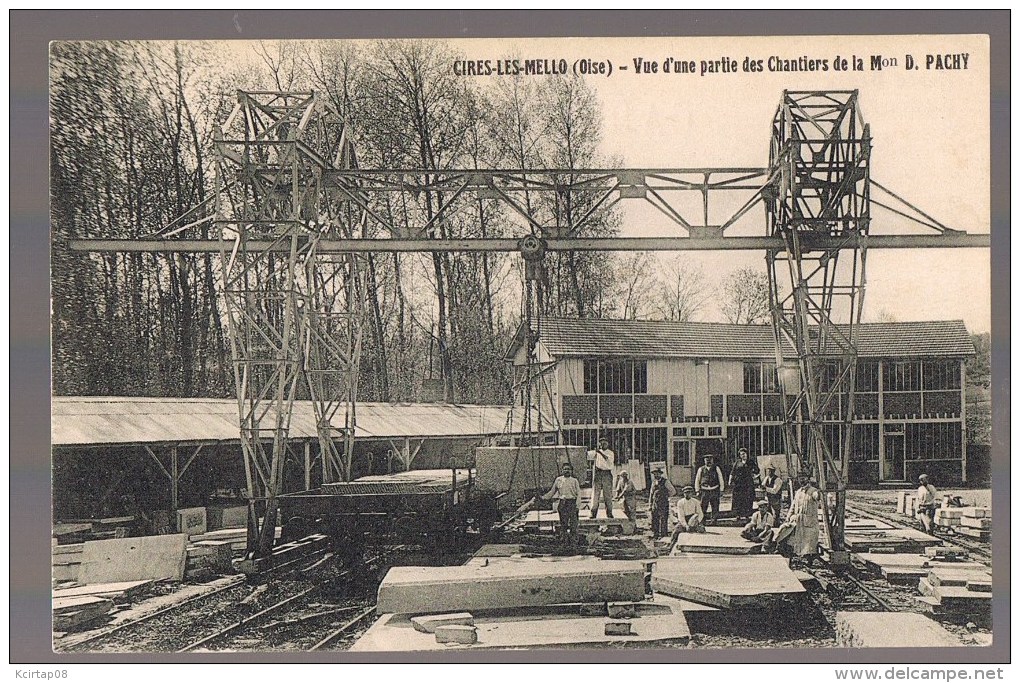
<point x="689" y="515"/>
<point x="759" y="529"/>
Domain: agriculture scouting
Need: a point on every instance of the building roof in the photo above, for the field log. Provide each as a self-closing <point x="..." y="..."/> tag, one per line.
<point x="98" y="420"/>
<point x="670" y="339"/>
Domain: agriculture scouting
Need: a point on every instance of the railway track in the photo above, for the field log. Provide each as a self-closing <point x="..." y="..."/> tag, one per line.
<point x="299" y="622"/>
<point x="313" y="606"/>
<point x="980" y="552"/>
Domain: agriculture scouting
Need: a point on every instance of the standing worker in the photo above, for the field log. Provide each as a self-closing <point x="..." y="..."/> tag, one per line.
<point x="603" y="461"/>
<point x="800" y="530"/>
<point x="709" y="485"/>
<point x="566" y="491"/>
<point x="926" y="495"/>
<point x="658" y="503"/>
<point x="742" y="478"/>
<point x="627" y="493"/>
<point x="773" y="486"/>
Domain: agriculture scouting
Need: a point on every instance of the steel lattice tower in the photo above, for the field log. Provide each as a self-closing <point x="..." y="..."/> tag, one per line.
<point x="819" y="204"/>
<point x="294" y="313"/>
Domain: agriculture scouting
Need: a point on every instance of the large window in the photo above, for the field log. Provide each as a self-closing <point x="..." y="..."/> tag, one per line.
<point x="615" y="377"/>
<point x="941" y="375"/>
<point x="866" y="443"/>
<point x="902" y="376"/>
<point x="760" y="378"/>
<point x="934" y="441"/>
<point x="867" y="376"/>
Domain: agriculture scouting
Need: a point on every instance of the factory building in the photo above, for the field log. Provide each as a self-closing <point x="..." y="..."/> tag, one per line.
<point x="666" y="391"/>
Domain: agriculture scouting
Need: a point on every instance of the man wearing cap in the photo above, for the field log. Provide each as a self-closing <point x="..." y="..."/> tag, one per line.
<point x="603" y="460"/>
<point x="759" y="529"/>
<point x="926" y="495"/>
<point x="773" y="486"/>
<point x="709" y="485"/>
<point x="658" y="503"/>
<point x="688" y="514"/>
<point x="626" y="493"/>
<point x="566" y="491"/>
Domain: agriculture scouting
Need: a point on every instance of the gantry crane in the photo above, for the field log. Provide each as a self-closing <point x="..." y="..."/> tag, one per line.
<point x="295" y="215"/>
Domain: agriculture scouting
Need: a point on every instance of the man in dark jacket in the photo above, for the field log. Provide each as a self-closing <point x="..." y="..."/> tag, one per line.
<point x="709" y="484"/>
<point x="658" y="503"/>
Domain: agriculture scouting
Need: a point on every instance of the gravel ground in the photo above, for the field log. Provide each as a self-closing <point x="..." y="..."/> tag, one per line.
<point x="804" y="622"/>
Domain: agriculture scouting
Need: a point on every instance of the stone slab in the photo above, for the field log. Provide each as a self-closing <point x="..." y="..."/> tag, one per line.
<point x="233" y="516"/>
<point x="67" y="572"/>
<point x="617" y="628"/>
<point x="134" y="559"/>
<point x="976" y="512"/>
<point x="726" y="582"/>
<point x="125" y="588"/>
<point x="519" y="471"/>
<point x="69" y="613"/>
<point x="191" y="521"/>
<point x="656" y="623"/>
<point x="977" y="522"/>
<point x="547" y="520"/>
<point x="979" y="534"/>
<point x="942" y="576"/>
<point x="500" y="550"/>
<point x="457" y="633"/>
<point x="898" y="540"/>
<point x="952" y="593"/>
<point x="891" y="629"/>
<point x="430" y="622"/>
<point x="503" y="585"/>
<point x="715" y="540"/>
<point x="621" y="610"/>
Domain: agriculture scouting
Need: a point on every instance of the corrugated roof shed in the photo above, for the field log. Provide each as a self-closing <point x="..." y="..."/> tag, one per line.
<point x="671" y="339"/>
<point x="95" y="420"/>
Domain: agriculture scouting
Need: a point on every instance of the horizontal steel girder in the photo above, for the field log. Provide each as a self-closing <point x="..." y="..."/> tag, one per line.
<point x="946" y="240"/>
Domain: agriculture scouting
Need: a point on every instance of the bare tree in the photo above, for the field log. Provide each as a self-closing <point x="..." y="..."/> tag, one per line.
<point x="745" y="297"/>
<point x="635" y="284"/>
<point x="681" y="292"/>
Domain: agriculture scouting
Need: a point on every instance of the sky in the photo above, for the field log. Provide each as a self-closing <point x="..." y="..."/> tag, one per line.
<point x="930" y="129"/>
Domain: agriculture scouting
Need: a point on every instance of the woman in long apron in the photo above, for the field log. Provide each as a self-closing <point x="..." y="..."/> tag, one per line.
<point x="742" y="483"/>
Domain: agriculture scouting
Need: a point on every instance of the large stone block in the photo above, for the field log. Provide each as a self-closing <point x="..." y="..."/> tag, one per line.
<point x="505" y="585"/>
<point x="521" y="470"/>
<point x="134" y="559"/>
<point x="454" y="633"/>
<point x="430" y="622"/>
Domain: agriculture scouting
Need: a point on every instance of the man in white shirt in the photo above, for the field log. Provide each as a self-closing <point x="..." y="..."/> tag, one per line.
<point x="603" y="461"/>
<point x="759" y="529"/>
<point x="689" y="514"/>
<point x="926" y="495"/>
<point x="566" y="491"/>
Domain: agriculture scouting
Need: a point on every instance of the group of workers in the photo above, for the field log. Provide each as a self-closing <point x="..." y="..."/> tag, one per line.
<point x="696" y="503"/>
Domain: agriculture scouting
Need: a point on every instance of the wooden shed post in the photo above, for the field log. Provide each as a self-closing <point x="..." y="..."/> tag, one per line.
<point x="174" y="477"/>
<point x="308" y="465"/>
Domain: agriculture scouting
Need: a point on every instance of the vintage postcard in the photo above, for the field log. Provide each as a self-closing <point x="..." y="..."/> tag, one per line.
<point x="458" y="346"/>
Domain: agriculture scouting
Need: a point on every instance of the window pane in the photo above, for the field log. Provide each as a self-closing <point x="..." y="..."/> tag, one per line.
<point x="752" y="378"/>
<point x="640" y="377"/>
